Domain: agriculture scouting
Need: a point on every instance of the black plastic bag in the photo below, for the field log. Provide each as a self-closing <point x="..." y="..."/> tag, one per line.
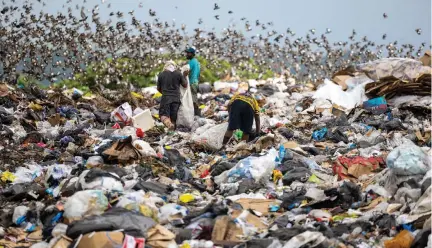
<point x="300" y="174"/>
<point x="217" y="169"/>
<point x="132" y="223"/>
<point x="153" y="187"/>
<point x="174" y="157"/>
<point x="287" y="133"/>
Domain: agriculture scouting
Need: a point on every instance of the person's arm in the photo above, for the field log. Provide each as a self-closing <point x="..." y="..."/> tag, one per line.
<point x="159" y="84"/>
<point x="257" y="118"/>
<point x="257" y="124"/>
<point x="184" y="82"/>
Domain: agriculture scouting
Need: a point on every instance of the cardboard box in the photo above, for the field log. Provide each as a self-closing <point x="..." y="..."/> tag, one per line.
<point x="63" y="242"/>
<point x="426" y="59"/>
<point x="101" y="240"/>
<point x="160" y="237"/>
<point x="341" y="80"/>
<point x="226" y="230"/>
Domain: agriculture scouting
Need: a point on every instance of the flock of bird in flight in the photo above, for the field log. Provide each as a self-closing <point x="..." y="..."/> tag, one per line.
<point x="57" y="46"/>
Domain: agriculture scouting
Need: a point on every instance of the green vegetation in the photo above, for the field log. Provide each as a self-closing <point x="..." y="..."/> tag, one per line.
<point x="123" y="72"/>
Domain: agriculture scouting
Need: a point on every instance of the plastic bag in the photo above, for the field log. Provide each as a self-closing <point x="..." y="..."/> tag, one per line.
<point x="58" y="171"/>
<point x="144" y="148"/>
<point x="109" y="183"/>
<point x="19" y="214"/>
<point x="171" y="209"/>
<point x="84" y="203"/>
<point x="257" y="168"/>
<point x="212" y="138"/>
<point x="309" y="238"/>
<point x="130" y="222"/>
<point x="408" y="159"/>
<point x="94" y="161"/>
<point x="347" y="99"/>
<point x="185" y="115"/>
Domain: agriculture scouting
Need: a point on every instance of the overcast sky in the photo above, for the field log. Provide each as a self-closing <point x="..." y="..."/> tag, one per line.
<point x="341" y="16"/>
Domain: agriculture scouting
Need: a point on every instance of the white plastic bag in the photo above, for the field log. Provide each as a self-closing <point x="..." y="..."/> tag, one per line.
<point x="185" y="115"/>
<point x="85" y="203"/>
<point x="99" y="183"/>
<point x="144" y="148"/>
<point x="18" y="213"/>
<point x="257" y="168"/>
<point x="311" y="238"/>
<point x="347" y="99"/>
<point x="171" y="209"/>
<point x="212" y="138"/>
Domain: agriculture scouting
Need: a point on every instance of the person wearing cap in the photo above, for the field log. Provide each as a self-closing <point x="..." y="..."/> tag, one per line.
<point x="242" y="108"/>
<point x="194" y="74"/>
<point x="168" y="85"/>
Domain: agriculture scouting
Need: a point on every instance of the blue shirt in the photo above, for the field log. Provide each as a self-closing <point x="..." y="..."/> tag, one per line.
<point x="194" y="71"/>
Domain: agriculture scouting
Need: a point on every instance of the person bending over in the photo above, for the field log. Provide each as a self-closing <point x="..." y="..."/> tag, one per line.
<point x="242" y="108"/>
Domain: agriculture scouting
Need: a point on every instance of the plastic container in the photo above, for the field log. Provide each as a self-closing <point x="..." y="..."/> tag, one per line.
<point x="143" y="120"/>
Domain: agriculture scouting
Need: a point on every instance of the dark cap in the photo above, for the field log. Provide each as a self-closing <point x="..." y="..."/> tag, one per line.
<point x="190" y="50"/>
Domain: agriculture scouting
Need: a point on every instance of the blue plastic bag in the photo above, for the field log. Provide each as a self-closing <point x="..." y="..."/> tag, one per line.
<point x="319" y="134"/>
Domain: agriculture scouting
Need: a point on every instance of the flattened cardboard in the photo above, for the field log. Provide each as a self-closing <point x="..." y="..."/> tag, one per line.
<point x="260" y="205"/>
<point x="101" y="240"/>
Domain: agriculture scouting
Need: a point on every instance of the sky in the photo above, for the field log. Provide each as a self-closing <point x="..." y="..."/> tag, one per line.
<point x="341" y="16"/>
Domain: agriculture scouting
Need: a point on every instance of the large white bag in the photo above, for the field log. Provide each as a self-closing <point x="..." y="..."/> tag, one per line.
<point x="212" y="137"/>
<point x="185" y="115"/>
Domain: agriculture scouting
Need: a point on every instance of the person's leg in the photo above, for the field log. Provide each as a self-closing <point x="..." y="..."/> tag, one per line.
<point x="245" y="137"/>
<point x="164" y="112"/>
<point x="174" y="107"/>
<point x="194" y="91"/>
<point x="227" y="136"/>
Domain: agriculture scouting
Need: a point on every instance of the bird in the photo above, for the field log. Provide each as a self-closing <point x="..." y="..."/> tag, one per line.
<point x="418" y="31"/>
<point x="385" y="15"/>
<point x="217" y="17"/>
<point x="152" y="12"/>
<point x="216" y="6"/>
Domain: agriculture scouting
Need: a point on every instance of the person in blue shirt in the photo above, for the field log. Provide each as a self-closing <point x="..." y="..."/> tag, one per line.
<point x="194" y="75"/>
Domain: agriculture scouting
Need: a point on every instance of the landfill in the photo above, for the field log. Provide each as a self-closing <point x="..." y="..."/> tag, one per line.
<point x="331" y="167"/>
<point x="342" y="158"/>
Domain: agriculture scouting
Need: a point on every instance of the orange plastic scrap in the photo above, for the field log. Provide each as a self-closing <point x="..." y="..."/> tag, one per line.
<point x="354" y="167"/>
<point x="404" y="239"/>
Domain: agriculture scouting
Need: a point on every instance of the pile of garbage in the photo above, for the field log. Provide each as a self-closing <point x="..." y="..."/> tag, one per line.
<point x="331" y="167"/>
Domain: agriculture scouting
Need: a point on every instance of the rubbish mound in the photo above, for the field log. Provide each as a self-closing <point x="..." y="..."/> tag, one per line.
<point x="347" y="165"/>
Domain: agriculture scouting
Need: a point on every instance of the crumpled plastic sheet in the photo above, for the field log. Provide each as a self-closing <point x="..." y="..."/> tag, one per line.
<point x="408" y="159"/>
<point x="401" y="68"/>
